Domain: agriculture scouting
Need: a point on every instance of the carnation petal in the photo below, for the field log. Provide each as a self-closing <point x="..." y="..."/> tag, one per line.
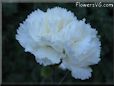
<point x="48" y="54"/>
<point x="81" y="73"/>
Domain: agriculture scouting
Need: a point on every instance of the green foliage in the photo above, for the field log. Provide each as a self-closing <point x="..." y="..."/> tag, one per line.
<point x="46" y="72"/>
<point x="21" y="67"/>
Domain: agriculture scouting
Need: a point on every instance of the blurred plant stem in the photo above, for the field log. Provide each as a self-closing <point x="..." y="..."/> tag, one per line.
<point x="63" y="77"/>
<point x="54" y="75"/>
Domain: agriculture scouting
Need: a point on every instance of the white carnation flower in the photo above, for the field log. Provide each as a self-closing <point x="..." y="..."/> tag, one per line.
<point x="57" y="35"/>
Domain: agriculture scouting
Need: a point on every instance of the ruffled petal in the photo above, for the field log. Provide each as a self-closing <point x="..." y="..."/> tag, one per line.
<point x="81" y="73"/>
<point x="47" y="54"/>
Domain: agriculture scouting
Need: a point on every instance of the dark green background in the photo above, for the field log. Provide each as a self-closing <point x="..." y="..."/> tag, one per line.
<point x="21" y="67"/>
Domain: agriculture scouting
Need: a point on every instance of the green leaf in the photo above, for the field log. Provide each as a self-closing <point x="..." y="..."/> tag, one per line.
<point x="46" y="72"/>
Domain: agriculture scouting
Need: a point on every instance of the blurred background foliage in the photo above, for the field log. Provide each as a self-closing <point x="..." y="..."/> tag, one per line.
<point x="21" y="67"/>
